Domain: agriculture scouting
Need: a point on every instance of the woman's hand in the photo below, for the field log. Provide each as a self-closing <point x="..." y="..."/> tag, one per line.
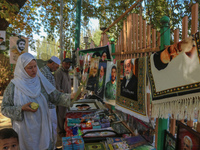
<point x="73" y="95"/>
<point x="27" y="107"/>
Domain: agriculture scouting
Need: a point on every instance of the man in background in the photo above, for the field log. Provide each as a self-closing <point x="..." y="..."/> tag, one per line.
<point x="129" y="82"/>
<point x="51" y="66"/>
<point x="63" y="83"/>
<point x="110" y="92"/>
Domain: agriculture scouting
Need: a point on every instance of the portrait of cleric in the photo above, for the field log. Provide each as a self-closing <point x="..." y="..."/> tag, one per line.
<point x="130" y="80"/>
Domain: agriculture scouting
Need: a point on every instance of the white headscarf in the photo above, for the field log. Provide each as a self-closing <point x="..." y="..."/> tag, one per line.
<point x="29" y="85"/>
<point x="35" y="131"/>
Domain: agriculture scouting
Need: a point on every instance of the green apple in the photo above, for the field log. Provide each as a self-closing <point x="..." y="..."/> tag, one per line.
<point x="34" y="105"/>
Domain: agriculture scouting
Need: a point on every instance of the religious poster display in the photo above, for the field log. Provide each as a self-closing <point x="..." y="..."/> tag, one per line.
<point x="92" y="79"/>
<point x="111" y="83"/>
<point x="131" y="87"/>
<point x="18" y="46"/>
<point x="187" y="138"/>
<point x="100" y="88"/>
<point x="169" y="141"/>
<point x="174" y="78"/>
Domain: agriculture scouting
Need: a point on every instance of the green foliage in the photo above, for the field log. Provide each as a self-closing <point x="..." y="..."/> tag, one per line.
<point x="96" y="37"/>
<point x="39" y="14"/>
<point x="46" y="48"/>
<point x="6" y="72"/>
<point x="174" y="9"/>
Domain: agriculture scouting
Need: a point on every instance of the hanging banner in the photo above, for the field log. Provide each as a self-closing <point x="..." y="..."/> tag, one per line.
<point x="18" y="46"/>
<point x="175" y="80"/>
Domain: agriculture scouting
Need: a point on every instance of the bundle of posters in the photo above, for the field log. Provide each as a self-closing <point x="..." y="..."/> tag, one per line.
<point x="175" y="81"/>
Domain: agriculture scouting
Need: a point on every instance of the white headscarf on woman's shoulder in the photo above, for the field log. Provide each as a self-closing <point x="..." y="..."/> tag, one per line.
<point x="35" y="130"/>
<point x="29" y="85"/>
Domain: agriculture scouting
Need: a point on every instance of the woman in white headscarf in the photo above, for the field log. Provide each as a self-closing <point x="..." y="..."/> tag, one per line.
<point x="29" y="85"/>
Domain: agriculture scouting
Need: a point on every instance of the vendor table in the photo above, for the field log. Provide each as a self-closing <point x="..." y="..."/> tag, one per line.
<point x="72" y="115"/>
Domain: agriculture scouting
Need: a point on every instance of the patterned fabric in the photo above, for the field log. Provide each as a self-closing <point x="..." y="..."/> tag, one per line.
<point x="174" y="78"/>
<point x="132" y="106"/>
<point x="47" y="73"/>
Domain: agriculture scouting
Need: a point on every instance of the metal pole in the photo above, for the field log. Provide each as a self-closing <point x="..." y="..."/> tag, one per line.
<point x="113" y="47"/>
<point x="165" y="40"/>
<point x="77" y="43"/>
<point x="61" y="30"/>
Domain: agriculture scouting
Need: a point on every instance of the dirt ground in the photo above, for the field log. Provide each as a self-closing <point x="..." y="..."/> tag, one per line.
<point x="4" y="121"/>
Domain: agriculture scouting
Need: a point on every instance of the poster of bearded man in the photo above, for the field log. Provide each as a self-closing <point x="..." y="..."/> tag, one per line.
<point x="18" y="46"/>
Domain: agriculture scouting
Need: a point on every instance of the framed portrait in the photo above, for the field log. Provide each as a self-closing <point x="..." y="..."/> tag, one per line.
<point x="129" y="78"/>
<point x="86" y="105"/>
<point x="111" y="83"/>
<point x="81" y="106"/>
<point x="100" y="85"/>
<point x="92" y="79"/>
<point x="169" y="141"/>
<point x="131" y="87"/>
<point x="187" y="138"/>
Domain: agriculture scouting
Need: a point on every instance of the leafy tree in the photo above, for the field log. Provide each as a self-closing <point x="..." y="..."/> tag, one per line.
<point x="96" y="36"/>
<point x="174" y="9"/>
<point x="46" y="48"/>
<point x="37" y="14"/>
<point x="6" y="72"/>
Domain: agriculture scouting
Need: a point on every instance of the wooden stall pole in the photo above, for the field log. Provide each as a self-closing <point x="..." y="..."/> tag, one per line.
<point x="172" y="120"/>
<point x="165" y="40"/>
<point x="195" y="16"/>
